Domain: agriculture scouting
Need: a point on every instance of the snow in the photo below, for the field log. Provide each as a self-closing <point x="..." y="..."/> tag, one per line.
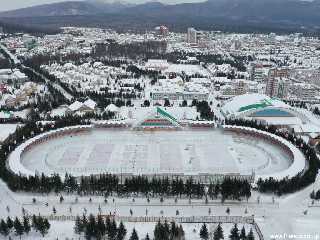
<point x="112" y="108"/>
<point x="298" y="163"/>
<point x="234" y="105"/>
<point x="188" y="152"/>
<point x="75" y="106"/>
<point x="6" y="130"/>
<point x="90" y="103"/>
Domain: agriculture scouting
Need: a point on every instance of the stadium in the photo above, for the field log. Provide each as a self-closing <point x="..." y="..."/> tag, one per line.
<point x="158" y="145"/>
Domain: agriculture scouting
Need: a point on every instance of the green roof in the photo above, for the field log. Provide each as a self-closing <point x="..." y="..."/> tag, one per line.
<point x="165" y="114"/>
<point x="264" y="103"/>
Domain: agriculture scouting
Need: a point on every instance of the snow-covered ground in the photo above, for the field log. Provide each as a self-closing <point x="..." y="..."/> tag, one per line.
<point x="283" y="216"/>
<point x="127" y="151"/>
<point x="6" y="130"/>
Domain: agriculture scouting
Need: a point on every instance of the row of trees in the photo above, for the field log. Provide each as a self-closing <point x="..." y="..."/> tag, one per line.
<point x="286" y="185"/>
<point x="30" y="129"/>
<point x="235" y="233"/>
<point x="145" y="50"/>
<point x="204" y="109"/>
<point x="106" y="183"/>
<point x="315" y="195"/>
<point x="109" y="184"/>
<point x="98" y="228"/>
<point x="165" y="231"/>
<point x="21" y="227"/>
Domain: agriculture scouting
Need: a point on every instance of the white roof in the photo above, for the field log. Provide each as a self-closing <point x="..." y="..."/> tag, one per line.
<point x="241" y="101"/>
<point x="75" y="106"/>
<point x="90" y="103"/>
<point x="112" y="108"/>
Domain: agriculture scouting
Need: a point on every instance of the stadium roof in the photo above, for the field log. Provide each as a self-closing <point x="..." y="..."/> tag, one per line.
<point x="247" y="102"/>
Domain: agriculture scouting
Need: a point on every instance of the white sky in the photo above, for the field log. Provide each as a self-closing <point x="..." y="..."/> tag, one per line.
<point x="14" y="4"/>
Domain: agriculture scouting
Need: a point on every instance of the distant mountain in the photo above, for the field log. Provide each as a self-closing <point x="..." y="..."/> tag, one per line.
<point x="280" y="11"/>
<point x="234" y="15"/>
<point x="68" y="8"/>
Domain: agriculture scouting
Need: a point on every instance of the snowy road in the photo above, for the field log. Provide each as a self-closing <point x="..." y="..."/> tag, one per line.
<point x="67" y="95"/>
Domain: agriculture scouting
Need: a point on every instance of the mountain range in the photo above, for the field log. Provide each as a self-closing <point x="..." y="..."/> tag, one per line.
<point x="291" y="15"/>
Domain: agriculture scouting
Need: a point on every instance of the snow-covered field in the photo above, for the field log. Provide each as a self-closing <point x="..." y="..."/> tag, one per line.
<point x="179" y="152"/>
<point x="6" y="130"/>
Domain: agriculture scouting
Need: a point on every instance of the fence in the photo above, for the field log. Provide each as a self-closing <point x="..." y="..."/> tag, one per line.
<point x="202" y="219"/>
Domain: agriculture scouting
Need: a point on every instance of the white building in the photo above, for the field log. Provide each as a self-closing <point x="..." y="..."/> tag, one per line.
<point x="192" y="36"/>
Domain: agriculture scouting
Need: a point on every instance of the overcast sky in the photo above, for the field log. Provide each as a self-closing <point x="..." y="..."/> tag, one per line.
<point x="14" y="4"/>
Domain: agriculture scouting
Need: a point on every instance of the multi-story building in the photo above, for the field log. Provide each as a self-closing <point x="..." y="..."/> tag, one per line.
<point x="277" y="83"/>
<point x="192" y="36"/>
<point x="304" y="91"/>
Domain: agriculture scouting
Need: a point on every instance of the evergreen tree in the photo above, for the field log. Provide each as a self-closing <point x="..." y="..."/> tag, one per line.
<point x="234" y="233"/>
<point x="34" y="222"/>
<point x="108" y="226"/>
<point x="204" y="234"/>
<point x="158" y="231"/>
<point x="113" y="230"/>
<point x="243" y="234"/>
<point x="43" y="225"/>
<point x="26" y="224"/>
<point x="9" y="223"/>
<point x="47" y="226"/>
<point x="134" y="235"/>
<point x="218" y="233"/>
<point x="122" y="231"/>
<point x="78" y="228"/>
<point x="250" y="235"/>
<point x="101" y="228"/>
<point x="84" y="223"/>
<point x="90" y="231"/>
<point x="54" y="210"/>
<point x="181" y="233"/>
<point x="4" y="230"/>
<point x="18" y="227"/>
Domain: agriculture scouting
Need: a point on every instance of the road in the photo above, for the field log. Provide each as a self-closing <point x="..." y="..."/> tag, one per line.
<point x="67" y="95"/>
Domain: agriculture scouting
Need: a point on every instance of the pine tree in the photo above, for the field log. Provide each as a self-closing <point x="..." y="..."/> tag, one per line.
<point x="122" y="231"/>
<point x="18" y="227"/>
<point x="101" y="228"/>
<point x="91" y="227"/>
<point x="218" y="233"/>
<point x="78" y="225"/>
<point x="181" y="233"/>
<point x="134" y="235"/>
<point x="9" y="223"/>
<point x="113" y="230"/>
<point x="204" y="234"/>
<point x="54" y="210"/>
<point x="84" y="223"/>
<point x="174" y="231"/>
<point x="157" y="231"/>
<point x="46" y="226"/>
<point x="234" y="233"/>
<point x="4" y="230"/>
<point x="243" y="234"/>
<point x="34" y="222"/>
<point x="26" y="224"/>
<point x="166" y="230"/>
<point x="250" y="235"/>
<point x="108" y="226"/>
